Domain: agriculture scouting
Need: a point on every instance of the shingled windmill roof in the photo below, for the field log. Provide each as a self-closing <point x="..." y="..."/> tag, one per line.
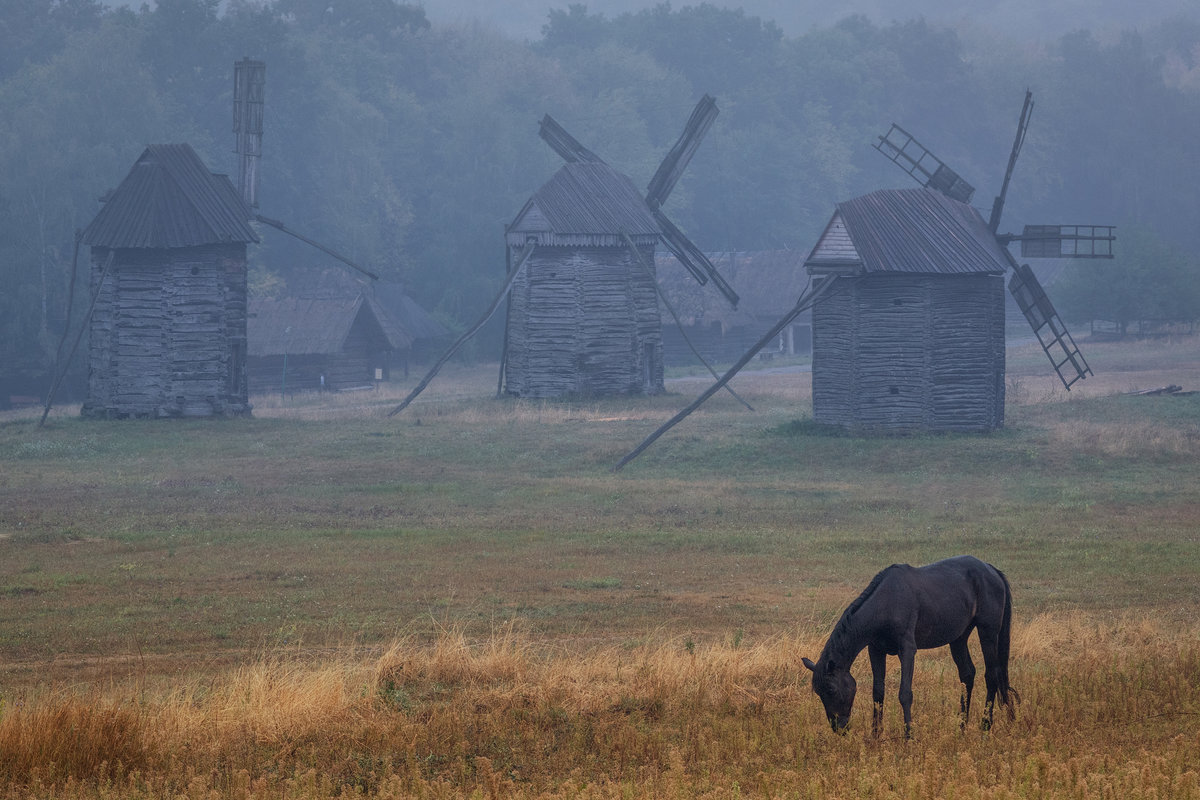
<point x="908" y="230"/>
<point x="587" y="199"/>
<point x="170" y="199"/>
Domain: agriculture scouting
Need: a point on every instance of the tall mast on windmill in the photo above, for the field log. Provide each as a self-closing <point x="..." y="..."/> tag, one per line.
<point x="249" y="81"/>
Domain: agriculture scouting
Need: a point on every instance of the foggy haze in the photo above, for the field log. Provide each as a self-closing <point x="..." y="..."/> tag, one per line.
<point x="1025" y="20"/>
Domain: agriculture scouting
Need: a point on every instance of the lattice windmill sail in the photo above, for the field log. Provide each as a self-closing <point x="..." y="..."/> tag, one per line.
<point x="1037" y="241"/>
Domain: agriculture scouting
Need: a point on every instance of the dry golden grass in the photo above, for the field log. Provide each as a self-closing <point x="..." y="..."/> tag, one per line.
<point x="1109" y="709"/>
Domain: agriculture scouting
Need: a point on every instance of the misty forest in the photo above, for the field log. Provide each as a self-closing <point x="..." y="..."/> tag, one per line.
<point x="408" y="144"/>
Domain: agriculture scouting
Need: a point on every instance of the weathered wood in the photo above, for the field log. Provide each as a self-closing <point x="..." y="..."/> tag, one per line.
<point x="910" y="352"/>
<point x="584" y="321"/>
<point x="168" y="334"/>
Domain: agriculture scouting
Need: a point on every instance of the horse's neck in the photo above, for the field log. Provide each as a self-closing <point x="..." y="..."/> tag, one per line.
<point x="846" y="642"/>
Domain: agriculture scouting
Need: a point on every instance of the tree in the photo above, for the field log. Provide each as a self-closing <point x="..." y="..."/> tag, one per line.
<point x="1148" y="280"/>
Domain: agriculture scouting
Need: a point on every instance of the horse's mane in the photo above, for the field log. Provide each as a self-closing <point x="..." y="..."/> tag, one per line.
<point x="844" y="623"/>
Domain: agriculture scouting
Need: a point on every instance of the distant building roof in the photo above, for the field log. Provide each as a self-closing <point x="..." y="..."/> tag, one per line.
<point x="907" y="230"/>
<point x="326" y="281"/>
<point x="170" y="199"/>
<point x="587" y="199"/>
<point x="769" y="283"/>
<point x="314" y="325"/>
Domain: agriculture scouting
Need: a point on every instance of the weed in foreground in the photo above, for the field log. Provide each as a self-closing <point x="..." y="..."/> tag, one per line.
<point x="1109" y="709"/>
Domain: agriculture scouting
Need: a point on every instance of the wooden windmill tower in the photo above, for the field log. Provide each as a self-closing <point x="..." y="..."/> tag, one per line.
<point x="583" y="312"/>
<point x="910" y="335"/>
<point x="169" y="261"/>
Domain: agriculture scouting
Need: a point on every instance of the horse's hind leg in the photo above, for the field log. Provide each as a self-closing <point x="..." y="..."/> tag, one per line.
<point x="989" y="643"/>
<point x="966" y="673"/>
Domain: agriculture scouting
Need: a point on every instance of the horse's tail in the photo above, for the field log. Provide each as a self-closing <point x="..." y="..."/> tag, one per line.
<point x="1008" y="695"/>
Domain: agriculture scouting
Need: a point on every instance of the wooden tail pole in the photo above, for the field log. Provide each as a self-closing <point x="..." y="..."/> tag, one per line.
<point x="274" y="223"/>
<point x="807" y="298"/>
<point x="61" y="371"/>
<point x="637" y="254"/>
<point x="512" y="276"/>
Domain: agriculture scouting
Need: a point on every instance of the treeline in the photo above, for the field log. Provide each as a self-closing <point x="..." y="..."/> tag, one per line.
<point x="408" y="145"/>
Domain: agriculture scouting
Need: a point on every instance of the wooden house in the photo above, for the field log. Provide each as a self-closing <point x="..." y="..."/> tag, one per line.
<point x="322" y="343"/>
<point x="168" y="270"/>
<point x="910" y="337"/>
<point x="583" y="314"/>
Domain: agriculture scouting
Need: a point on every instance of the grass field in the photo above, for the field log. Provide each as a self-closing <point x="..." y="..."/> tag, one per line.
<point x="465" y="600"/>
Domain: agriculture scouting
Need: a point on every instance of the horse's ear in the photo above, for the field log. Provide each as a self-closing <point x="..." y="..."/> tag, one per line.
<point x="809" y="664"/>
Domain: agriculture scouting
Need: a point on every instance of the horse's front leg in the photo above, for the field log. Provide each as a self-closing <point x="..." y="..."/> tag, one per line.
<point x="908" y="655"/>
<point x="878" y="673"/>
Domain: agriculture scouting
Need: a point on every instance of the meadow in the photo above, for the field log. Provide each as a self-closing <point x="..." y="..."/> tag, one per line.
<point x="465" y="599"/>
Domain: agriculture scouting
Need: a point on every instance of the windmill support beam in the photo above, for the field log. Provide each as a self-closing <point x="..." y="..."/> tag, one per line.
<point x="806" y="300"/>
<point x="512" y="276"/>
<point x="60" y="370"/>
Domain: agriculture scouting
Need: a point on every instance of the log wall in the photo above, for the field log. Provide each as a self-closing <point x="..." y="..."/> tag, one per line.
<point x="168" y="333"/>
<point x="910" y="353"/>
<point x="584" y="320"/>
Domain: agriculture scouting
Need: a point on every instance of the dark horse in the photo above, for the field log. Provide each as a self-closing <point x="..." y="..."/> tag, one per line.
<point x="906" y="609"/>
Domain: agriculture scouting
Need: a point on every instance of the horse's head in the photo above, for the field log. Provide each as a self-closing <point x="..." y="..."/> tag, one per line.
<point x="836" y="687"/>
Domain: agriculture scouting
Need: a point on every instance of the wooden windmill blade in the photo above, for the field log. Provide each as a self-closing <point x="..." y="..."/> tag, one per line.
<point x="676" y="160"/>
<point x="1055" y="241"/>
<point x="1018" y="142"/>
<point x="692" y="258"/>
<point x="564" y="143"/>
<point x="1052" y="334"/>
<point x="1067" y="241"/>
<point x="923" y="166"/>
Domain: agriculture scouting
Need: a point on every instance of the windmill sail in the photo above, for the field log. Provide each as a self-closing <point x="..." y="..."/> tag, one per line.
<point x="1018" y="142"/>
<point x="1067" y="241"/>
<point x="1052" y="334"/>
<point x="924" y="167"/>
<point x="692" y="258"/>
<point x="564" y="143"/>
<point x="249" y="80"/>
<point x="681" y="153"/>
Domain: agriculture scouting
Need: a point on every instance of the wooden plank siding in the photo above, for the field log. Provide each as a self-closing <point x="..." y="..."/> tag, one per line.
<point x="906" y="352"/>
<point x="584" y="321"/>
<point x="168" y="333"/>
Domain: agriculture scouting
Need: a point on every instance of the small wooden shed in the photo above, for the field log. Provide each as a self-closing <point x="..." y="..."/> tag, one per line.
<point x="168" y="270"/>
<point x="313" y="343"/>
<point x="910" y="337"/>
<point x="583" y="314"/>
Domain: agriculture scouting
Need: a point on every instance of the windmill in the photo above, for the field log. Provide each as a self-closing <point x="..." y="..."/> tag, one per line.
<point x="169" y="291"/>
<point x="1037" y="241"/>
<point x="907" y="297"/>
<point x="583" y="301"/>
